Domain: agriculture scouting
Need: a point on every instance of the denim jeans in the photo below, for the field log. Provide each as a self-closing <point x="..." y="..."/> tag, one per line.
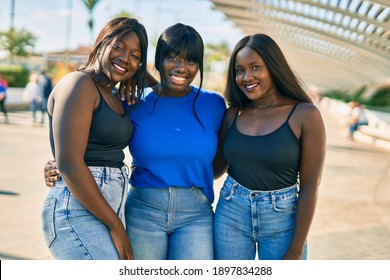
<point x="251" y="222"/>
<point x="170" y="223"/>
<point x="71" y="232"/>
<point x="354" y="127"/>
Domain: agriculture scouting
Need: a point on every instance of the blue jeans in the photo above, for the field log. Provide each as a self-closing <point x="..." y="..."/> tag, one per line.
<point x="251" y="222"/>
<point x="354" y="127"/>
<point x="71" y="232"/>
<point x="170" y="223"/>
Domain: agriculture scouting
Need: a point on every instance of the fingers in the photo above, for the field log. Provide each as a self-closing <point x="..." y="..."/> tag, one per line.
<point x="133" y="91"/>
<point x="129" y="99"/>
<point x="51" y="176"/>
<point x="51" y="173"/>
<point x="126" y="255"/>
<point x="122" y="91"/>
<point x="51" y="164"/>
<point x="127" y="91"/>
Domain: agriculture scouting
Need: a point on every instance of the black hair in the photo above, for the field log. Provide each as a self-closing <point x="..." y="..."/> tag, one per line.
<point x="110" y="33"/>
<point x="286" y="82"/>
<point x="186" y="42"/>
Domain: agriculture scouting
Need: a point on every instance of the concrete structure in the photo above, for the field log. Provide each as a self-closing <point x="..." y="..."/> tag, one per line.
<point x="331" y="43"/>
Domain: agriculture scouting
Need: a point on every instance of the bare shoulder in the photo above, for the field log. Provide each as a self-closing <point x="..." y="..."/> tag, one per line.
<point x="73" y="83"/>
<point x="75" y="79"/>
<point x="306" y="110"/>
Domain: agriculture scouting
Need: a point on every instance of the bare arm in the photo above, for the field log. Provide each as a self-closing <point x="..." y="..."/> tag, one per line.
<point x="220" y="164"/>
<point x="75" y="100"/>
<point x="313" y="145"/>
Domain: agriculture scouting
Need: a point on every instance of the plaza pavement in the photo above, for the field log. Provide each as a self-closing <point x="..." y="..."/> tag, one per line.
<point x="352" y="220"/>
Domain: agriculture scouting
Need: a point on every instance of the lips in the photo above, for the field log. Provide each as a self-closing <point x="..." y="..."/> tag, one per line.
<point x="251" y="86"/>
<point x="119" y="68"/>
<point x="178" y="78"/>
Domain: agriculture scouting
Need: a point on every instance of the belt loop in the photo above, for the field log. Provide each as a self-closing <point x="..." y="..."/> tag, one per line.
<point x="235" y="184"/>
<point x="105" y="175"/>
<point x="272" y="194"/>
<point x="127" y="170"/>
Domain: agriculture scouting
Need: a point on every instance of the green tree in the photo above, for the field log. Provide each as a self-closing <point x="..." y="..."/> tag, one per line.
<point x="17" y="42"/>
<point x="90" y="5"/>
<point x="124" y="14"/>
<point x="216" y="53"/>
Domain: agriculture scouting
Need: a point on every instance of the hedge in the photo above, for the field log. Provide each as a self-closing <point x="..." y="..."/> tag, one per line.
<point x="16" y="75"/>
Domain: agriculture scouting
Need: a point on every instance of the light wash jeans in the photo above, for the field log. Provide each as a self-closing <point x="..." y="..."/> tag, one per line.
<point x="254" y="222"/>
<point x="170" y="223"/>
<point x="71" y="232"/>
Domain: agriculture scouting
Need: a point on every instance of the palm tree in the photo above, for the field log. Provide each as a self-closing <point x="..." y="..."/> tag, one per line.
<point x="90" y="5"/>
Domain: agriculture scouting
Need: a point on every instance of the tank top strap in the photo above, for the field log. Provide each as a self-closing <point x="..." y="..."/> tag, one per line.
<point x="101" y="98"/>
<point x="234" y="120"/>
<point x="292" y="111"/>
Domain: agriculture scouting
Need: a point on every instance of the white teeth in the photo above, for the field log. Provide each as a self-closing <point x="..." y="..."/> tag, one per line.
<point x="251" y="86"/>
<point x="178" y="78"/>
<point x="119" y="68"/>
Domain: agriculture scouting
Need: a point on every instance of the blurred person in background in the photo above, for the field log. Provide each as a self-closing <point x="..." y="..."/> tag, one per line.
<point x="3" y="97"/>
<point x="46" y="88"/>
<point x="33" y="95"/>
<point x="357" y="118"/>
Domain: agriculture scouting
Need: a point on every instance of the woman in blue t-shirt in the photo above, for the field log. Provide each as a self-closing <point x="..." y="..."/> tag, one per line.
<point x="168" y="208"/>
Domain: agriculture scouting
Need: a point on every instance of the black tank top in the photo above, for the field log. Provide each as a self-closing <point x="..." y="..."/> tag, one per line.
<point x="109" y="134"/>
<point x="266" y="162"/>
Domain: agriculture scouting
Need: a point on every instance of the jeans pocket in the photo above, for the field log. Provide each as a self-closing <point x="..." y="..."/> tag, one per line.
<point x="48" y="221"/>
<point x="285" y="203"/>
<point x="227" y="192"/>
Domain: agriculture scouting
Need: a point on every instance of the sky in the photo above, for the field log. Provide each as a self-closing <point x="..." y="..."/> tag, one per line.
<point x="58" y="27"/>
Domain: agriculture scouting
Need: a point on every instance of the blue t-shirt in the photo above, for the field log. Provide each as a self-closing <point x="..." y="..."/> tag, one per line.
<point x="169" y="146"/>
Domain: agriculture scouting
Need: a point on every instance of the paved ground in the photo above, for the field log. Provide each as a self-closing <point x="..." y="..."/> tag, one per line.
<point x="352" y="219"/>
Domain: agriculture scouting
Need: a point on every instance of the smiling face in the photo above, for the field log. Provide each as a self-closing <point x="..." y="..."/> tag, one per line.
<point x="252" y="75"/>
<point x="123" y="60"/>
<point x="178" y="73"/>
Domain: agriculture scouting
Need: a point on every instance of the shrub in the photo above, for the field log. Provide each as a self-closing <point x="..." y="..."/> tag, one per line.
<point x="16" y="75"/>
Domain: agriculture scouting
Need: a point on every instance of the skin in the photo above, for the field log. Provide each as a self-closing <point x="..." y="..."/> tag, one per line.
<point x="265" y="113"/>
<point x="177" y="75"/>
<point x="71" y="104"/>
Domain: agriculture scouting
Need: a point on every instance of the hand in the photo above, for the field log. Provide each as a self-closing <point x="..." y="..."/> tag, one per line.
<point x="122" y="244"/>
<point x="50" y="173"/>
<point x="292" y="256"/>
<point x="128" y="91"/>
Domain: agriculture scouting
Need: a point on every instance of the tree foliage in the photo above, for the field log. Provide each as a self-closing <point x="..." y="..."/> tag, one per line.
<point x="90" y="5"/>
<point x="17" y="42"/>
<point x="124" y="13"/>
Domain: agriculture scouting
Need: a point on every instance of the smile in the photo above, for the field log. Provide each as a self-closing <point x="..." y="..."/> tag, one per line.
<point x="249" y="87"/>
<point x="116" y="66"/>
<point x="178" y="78"/>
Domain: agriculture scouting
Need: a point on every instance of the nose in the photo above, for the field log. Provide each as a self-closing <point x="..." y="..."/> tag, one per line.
<point x="180" y="64"/>
<point x="247" y="76"/>
<point x="125" y="56"/>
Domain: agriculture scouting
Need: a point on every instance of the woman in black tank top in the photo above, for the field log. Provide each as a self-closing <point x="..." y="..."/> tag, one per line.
<point x="83" y="213"/>
<point x="272" y="144"/>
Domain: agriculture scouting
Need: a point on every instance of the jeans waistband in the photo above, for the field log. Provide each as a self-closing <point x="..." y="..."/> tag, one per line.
<point x="107" y="172"/>
<point x="238" y="189"/>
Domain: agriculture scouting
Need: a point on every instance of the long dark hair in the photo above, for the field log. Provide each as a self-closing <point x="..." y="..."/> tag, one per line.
<point x="286" y="82"/>
<point x="110" y="33"/>
<point x="184" y="41"/>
